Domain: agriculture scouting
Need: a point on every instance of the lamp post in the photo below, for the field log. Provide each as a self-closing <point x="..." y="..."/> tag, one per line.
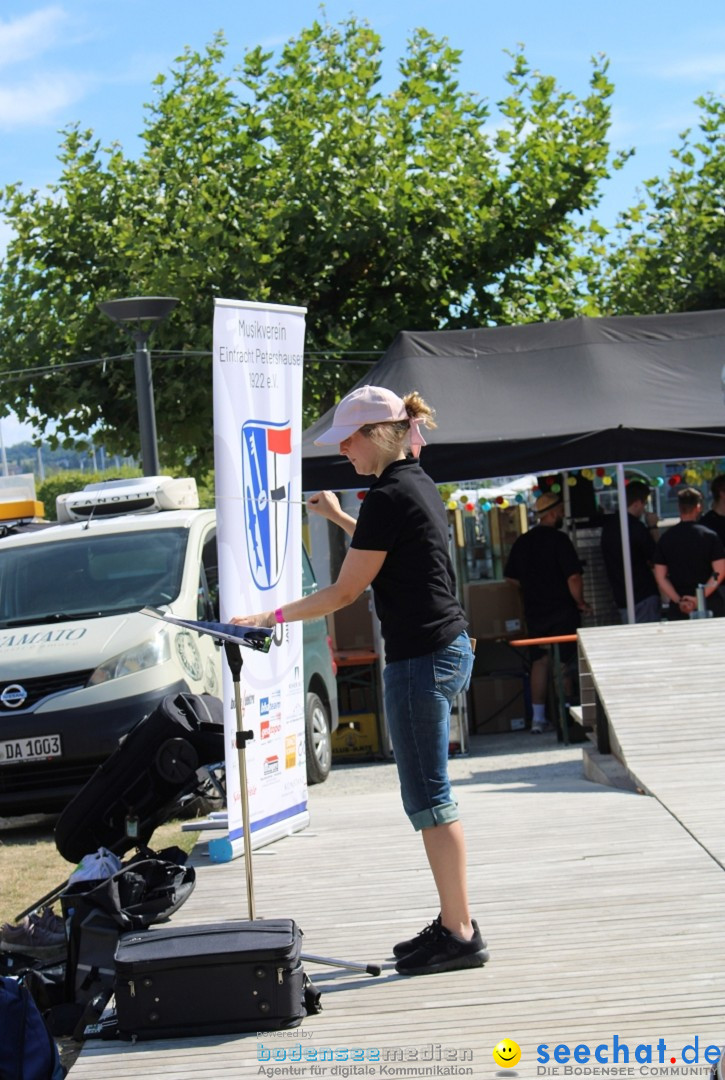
<point x="2" y="451"/>
<point x="141" y="314"/>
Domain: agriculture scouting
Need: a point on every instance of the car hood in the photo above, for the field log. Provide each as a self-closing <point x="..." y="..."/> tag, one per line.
<point x="76" y="645"/>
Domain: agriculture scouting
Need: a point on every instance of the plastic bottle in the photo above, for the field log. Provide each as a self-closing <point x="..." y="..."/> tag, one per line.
<point x="701" y="612"/>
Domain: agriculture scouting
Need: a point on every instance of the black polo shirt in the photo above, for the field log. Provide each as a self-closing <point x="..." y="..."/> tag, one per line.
<point x="415" y="593"/>
<point x="688" y="550"/>
<point x="542" y="561"/>
<point x="714" y="521"/>
<point x="642" y="550"/>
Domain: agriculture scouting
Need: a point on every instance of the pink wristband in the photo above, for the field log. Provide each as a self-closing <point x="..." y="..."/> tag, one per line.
<point x="278" y="616"/>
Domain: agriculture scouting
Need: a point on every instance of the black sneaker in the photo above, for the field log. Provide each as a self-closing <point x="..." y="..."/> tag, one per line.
<point x="426" y="934"/>
<point x="443" y="951"/>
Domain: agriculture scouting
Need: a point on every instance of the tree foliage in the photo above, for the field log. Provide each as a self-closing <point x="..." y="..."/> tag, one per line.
<point x="293" y="180"/>
<point x="669" y="251"/>
<point x="664" y="254"/>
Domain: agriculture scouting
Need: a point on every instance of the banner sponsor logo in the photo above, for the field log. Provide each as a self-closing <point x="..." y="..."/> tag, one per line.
<point x="271" y="705"/>
<point x="295" y="683"/>
<point x="269" y="728"/>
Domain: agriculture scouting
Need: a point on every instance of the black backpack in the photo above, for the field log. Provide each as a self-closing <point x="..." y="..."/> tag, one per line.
<point x="146" y="890"/>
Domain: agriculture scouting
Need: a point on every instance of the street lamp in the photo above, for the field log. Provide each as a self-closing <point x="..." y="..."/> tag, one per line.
<point x="141" y="314"/>
<point x="2" y="451"/>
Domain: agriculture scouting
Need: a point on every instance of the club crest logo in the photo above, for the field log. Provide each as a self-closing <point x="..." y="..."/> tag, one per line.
<point x="266" y="469"/>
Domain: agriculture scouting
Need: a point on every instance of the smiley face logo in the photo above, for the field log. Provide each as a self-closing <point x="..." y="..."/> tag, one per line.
<point x="507" y="1053"/>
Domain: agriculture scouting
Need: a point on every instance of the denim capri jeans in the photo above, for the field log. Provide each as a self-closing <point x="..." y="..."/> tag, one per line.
<point x="419" y="695"/>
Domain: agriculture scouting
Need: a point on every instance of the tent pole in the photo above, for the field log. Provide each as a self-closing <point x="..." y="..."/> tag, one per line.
<point x="624" y="530"/>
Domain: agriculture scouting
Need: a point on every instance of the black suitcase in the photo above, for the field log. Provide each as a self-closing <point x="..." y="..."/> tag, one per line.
<point x="140" y="784"/>
<point x="211" y="979"/>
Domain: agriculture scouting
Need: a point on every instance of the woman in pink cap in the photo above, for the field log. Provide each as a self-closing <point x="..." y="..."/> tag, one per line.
<point x="399" y="546"/>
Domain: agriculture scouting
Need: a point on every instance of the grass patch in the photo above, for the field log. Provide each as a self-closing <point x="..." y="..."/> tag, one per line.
<point x="30" y="865"/>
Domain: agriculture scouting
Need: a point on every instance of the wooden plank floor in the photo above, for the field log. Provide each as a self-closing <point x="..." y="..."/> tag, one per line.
<point x="603" y="915"/>
<point x="663" y="689"/>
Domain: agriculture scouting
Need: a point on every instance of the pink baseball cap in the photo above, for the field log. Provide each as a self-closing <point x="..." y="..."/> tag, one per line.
<point x="366" y="405"/>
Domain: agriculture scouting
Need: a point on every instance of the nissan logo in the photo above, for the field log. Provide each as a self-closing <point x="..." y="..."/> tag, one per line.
<point x="13" y="696"/>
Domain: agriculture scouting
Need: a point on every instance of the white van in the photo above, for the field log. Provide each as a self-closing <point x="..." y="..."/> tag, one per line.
<point x="79" y="663"/>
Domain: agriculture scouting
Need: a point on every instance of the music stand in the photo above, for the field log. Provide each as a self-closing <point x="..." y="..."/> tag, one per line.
<point x="232" y="637"/>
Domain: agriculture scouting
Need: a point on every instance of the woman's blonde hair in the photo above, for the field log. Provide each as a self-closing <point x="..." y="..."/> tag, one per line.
<point x="390" y="436"/>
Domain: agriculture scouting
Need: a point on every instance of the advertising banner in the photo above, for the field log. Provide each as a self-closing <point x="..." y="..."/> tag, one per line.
<point x="257" y="366"/>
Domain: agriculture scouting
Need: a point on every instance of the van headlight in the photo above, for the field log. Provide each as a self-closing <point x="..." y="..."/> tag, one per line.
<point x="148" y="654"/>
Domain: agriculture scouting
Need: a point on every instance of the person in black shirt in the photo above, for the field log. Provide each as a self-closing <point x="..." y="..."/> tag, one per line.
<point x="400" y="546"/>
<point x="545" y="564"/>
<point x="688" y="555"/>
<point x="715" y="517"/>
<point x="647" y="604"/>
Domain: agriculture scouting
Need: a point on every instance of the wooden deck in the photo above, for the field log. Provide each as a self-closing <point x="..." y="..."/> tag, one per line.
<point x="662" y="687"/>
<point x="604" y="918"/>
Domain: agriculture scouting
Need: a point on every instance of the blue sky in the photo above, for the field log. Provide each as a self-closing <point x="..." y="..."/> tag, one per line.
<point x="93" y="61"/>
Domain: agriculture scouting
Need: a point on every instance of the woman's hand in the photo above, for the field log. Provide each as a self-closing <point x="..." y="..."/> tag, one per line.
<point x="264" y="618"/>
<point x="326" y="504"/>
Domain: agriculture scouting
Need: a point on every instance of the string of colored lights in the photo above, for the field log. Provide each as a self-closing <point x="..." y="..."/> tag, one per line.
<point x="600" y="477"/>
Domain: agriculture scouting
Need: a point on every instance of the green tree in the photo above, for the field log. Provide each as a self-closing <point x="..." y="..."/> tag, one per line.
<point x="668" y="253"/>
<point x="295" y="181"/>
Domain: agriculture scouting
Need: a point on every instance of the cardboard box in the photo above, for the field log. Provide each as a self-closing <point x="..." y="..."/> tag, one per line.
<point x="355" y="699"/>
<point x="497" y="705"/>
<point x="356" y="737"/>
<point x="497" y="657"/>
<point x="494" y="609"/>
<point x="352" y="627"/>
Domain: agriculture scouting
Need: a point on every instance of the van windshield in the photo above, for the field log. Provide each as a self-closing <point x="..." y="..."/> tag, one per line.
<point x="90" y="576"/>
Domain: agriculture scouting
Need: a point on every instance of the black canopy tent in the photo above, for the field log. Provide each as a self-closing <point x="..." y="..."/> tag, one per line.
<point x="549" y="396"/>
<point x="553" y="396"/>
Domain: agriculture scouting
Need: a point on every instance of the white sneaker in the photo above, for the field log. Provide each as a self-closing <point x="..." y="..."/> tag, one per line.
<point x="542" y="728"/>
